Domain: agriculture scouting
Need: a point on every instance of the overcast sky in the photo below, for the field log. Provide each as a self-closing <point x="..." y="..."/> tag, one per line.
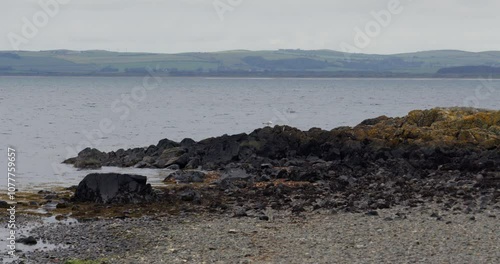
<point x="171" y="26"/>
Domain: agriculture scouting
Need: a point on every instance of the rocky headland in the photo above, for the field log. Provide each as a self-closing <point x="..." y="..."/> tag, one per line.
<point x="446" y="155"/>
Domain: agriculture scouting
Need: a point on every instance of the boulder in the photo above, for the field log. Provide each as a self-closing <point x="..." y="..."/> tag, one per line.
<point x="89" y="158"/>
<point x="166" y="144"/>
<point x="113" y="188"/>
<point x="170" y="156"/>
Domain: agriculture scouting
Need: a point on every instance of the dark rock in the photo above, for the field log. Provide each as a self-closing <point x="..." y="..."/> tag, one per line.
<point x="113" y="188"/>
<point x="136" y="156"/>
<point x="240" y="212"/>
<point x="181" y="161"/>
<point x="170" y="156"/>
<point x="189" y="196"/>
<point x="266" y="166"/>
<point x="4" y="204"/>
<point x="62" y="205"/>
<point x="166" y="144"/>
<point x="264" y="178"/>
<point x="51" y="197"/>
<point x="187" y="142"/>
<point x="27" y="241"/>
<point x="236" y="174"/>
<point x="234" y="179"/>
<point x="142" y="164"/>
<point x="193" y="163"/>
<point x="72" y="188"/>
<point x="174" y="167"/>
<point x="372" y="213"/>
<point x="220" y="150"/>
<point x="264" y="218"/>
<point x="149" y="159"/>
<point x="186" y="177"/>
<point x="374" y="121"/>
<point x="150" y="151"/>
<point x="89" y="158"/>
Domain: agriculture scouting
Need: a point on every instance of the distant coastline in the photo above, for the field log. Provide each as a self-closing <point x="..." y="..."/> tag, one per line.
<point x="305" y="75"/>
<point x="253" y="64"/>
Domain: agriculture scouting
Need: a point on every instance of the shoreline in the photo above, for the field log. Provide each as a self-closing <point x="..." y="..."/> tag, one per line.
<point x="419" y="234"/>
<point x="419" y="78"/>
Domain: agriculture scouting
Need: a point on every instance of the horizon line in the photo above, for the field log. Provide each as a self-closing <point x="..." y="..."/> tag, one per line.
<point x="247" y="50"/>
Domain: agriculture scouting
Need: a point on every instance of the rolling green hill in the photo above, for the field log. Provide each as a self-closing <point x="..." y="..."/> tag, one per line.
<point x="279" y="63"/>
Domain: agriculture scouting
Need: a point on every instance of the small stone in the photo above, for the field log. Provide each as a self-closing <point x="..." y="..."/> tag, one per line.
<point x="4" y="204"/>
<point x="240" y="212"/>
<point x="264" y="218"/>
<point x="372" y="213"/>
<point x="61" y="205"/>
<point x="232" y="231"/>
<point x="174" y="167"/>
<point x="51" y="197"/>
<point x="27" y="240"/>
<point x="266" y="166"/>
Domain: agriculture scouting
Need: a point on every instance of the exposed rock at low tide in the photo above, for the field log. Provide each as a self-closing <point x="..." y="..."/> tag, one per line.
<point x="453" y="138"/>
<point x="439" y="154"/>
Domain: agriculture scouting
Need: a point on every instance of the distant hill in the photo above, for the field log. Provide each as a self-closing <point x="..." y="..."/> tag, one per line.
<point x="278" y="63"/>
<point x="470" y="71"/>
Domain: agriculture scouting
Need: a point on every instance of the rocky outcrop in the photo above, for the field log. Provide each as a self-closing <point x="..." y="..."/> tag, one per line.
<point x="444" y="155"/>
<point x="381" y="162"/>
<point x="451" y="138"/>
<point x="113" y="188"/>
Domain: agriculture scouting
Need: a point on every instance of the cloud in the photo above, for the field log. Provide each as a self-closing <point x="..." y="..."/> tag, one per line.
<point x="194" y="25"/>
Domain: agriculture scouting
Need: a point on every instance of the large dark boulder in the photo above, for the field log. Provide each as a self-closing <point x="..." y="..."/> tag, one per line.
<point x="114" y="188"/>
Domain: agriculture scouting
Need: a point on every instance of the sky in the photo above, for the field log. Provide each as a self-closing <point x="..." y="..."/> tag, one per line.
<point x="173" y="26"/>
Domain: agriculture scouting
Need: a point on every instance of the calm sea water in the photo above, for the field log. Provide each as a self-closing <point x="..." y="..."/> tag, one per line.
<point x="49" y="119"/>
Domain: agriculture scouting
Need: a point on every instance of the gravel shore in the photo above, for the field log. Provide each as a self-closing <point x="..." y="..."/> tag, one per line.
<point x="397" y="235"/>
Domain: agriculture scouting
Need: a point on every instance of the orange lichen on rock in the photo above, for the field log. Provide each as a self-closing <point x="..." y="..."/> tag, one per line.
<point x="439" y="126"/>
